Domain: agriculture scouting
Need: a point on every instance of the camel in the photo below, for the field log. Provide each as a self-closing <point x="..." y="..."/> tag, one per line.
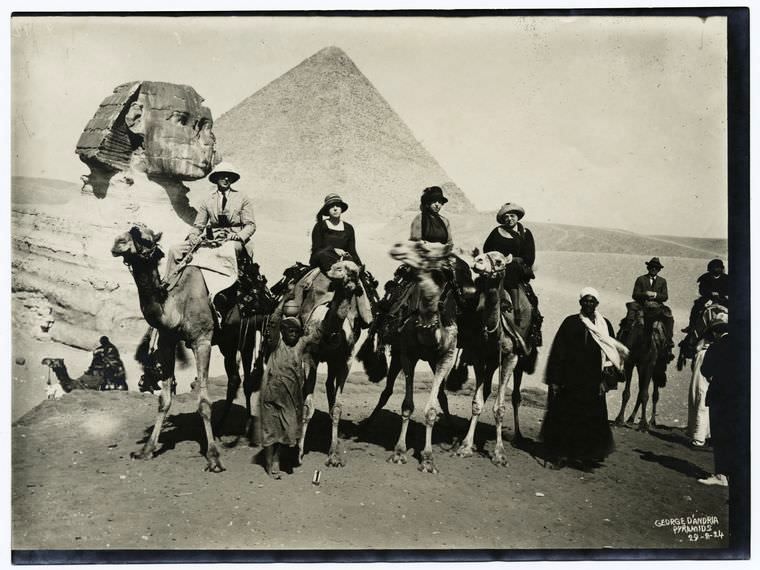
<point x="495" y="346"/>
<point x="336" y="349"/>
<point x="84" y="382"/>
<point x="688" y="346"/>
<point x="647" y="344"/>
<point x="430" y="335"/>
<point x="184" y="313"/>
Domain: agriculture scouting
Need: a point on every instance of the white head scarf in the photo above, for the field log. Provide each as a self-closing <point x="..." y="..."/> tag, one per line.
<point x="589" y="291"/>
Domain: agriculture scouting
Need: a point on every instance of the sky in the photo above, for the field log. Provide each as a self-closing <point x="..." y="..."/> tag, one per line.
<point x="598" y="121"/>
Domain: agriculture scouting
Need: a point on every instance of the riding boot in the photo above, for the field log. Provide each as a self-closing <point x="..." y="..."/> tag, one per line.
<point x="668" y="322"/>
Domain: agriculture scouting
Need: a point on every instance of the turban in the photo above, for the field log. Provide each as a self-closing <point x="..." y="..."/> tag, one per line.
<point x="589" y="291"/>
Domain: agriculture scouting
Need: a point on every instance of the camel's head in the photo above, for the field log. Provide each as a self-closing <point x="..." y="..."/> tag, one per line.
<point x="53" y="363"/>
<point x="345" y="273"/>
<point x="422" y="255"/>
<point x="140" y="242"/>
<point x="491" y="264"/>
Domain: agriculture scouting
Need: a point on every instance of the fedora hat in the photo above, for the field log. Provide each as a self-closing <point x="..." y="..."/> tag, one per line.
<point x="224" y="168"/>
<point x="654" y="262"/>
<point x="330" y="201"/>
<point x="433" y="194"/>
<point x="510" y="208"/>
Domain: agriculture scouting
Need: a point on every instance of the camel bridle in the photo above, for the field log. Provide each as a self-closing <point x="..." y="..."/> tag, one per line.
<point x="147" y="251"/>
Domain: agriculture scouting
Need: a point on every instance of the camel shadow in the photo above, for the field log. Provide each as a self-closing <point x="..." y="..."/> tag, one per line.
<point x="384" y="431"/>
<point x="680" y="465"/>
<point x="671" y="435"/>
<point x="188" y="426"/>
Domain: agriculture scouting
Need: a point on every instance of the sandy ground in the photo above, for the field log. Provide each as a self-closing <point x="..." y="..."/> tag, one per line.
<point x="74" y="485"/>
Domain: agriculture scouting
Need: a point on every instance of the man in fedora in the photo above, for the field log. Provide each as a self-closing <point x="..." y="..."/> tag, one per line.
<point x="227" y="212"/>
<point x="650" y="291"/>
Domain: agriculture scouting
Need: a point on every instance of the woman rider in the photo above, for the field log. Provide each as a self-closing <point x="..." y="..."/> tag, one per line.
<point x="429" y="224"/>
<point x="510" y="237"/>
<point x="332" y="240"/>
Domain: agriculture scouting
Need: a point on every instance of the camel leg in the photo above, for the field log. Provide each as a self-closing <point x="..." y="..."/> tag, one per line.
<point x="166" y="350"/>
<point x="655" y="399"/>
<point x="251" y="388"/>
<point x="483" y="375"/>
<point x="643" y="399"/>
<point x="407" y="408"/>
<point x="619" y="421"/>
<point x="229" y="350"/>
<point x="516" y="401"/>
<point x="335" y="455"/>
<point x="443" y="367"/>
<point x="509" y="361"/>
<point x="202" y="358"/>
<point x="308" y="402"/>
<point x="443" y="401"/>
<point x="393" y="369"/>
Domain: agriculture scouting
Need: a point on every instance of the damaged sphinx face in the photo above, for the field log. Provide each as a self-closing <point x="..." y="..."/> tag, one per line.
<point x="161" y="129"/>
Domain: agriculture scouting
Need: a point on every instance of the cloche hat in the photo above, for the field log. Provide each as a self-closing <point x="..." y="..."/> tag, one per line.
<point x="510" y="208"/>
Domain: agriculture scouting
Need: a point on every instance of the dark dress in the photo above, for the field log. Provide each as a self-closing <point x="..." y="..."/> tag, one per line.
<point x="709" y="285"/>
<point x="723" y="402"/>
<point x="430" y="226"/>
<point x="520" y="245"/>
<point x="324" y="240"/>
<point x="576" y="424"/>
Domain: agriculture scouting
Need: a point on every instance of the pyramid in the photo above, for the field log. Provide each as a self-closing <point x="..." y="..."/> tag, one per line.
<point x="322" y="127"/>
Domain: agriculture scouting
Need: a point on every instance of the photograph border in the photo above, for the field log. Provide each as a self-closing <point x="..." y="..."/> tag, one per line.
<point x="738" y="194"/>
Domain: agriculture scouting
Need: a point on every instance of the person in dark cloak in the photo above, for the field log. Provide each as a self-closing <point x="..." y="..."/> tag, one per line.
<point x="106" y="363"/>
<point x="723" y="403"/>
<point x="583" y="355"/>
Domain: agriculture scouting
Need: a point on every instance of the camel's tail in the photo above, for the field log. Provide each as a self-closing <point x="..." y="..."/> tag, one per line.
<point x="373" y="359"/>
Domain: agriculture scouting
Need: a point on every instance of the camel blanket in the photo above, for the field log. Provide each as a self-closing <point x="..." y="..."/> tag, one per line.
<point x="218" y="266"/>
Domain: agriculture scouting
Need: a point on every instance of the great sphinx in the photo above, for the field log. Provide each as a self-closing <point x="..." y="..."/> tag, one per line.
<point x="152" y="128"/>
<point x="144" y="143"/>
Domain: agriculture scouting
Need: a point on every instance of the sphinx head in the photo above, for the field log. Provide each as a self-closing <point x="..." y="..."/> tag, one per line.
<point x="162" y="129"/>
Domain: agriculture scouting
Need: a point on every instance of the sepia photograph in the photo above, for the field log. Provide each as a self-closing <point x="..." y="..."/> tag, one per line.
<point x="414" y="285"/>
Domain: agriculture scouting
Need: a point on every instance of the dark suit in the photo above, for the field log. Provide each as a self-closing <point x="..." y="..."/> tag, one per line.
<point x="659" y="286"/>
<point x="644" y="284"/>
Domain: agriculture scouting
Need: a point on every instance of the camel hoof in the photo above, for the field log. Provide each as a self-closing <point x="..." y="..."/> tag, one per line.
<point x="427" y="466"/>
<point x="499" y="456"/>
<point x="335" y="460"/>
<point x="500" y="460"/>
<point x="216" y="467"/>
<point x="464" y="451"/>
<point x="398" y="457"/>
<point x="643" y="427"/>
<point x="619" y="422"/>
<point x="143" y="455"/>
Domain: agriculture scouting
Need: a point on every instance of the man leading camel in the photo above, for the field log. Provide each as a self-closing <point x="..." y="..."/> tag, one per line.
<point x="227" y="211"/>
<point x="650" y="291"/>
